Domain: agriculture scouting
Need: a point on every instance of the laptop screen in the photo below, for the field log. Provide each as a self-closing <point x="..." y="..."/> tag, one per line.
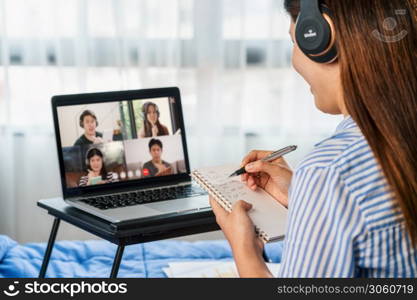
<point x="120" y="141"/>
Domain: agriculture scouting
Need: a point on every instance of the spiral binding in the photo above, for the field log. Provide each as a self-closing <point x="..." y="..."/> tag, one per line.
<point x="223" y="201"/>
<point x="212" y="191"/>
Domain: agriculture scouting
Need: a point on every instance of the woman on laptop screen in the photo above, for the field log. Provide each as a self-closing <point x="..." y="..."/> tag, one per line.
<point x="96" y="169"/>
<point x="151" y="126"/>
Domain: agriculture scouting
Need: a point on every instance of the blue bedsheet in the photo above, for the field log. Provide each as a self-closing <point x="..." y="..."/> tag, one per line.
<point x="95" y="258"/>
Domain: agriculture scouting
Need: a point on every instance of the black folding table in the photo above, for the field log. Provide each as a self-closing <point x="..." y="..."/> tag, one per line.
<point x="133" y="232"/>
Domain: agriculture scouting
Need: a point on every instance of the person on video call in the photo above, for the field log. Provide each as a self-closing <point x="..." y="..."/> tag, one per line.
<point x="156" y="166"/>
<point x="96" y="170"/>
<point x="151" y="125"/>
<point x="88" y="121"/>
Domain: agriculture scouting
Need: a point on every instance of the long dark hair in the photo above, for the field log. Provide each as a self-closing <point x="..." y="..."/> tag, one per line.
<point x="93" y="152"/>
<point x="379" y="80"/>
<point x="162" y="130"/>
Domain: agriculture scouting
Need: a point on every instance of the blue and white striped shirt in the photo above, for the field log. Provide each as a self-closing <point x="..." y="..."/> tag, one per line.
<point x="343" y="222"/>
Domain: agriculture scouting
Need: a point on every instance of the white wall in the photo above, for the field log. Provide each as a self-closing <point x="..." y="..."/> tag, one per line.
<point x="68" y="116"/>
<point x="138" y="150"/>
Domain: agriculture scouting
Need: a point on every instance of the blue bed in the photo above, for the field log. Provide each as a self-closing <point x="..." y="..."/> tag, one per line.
<point x="95" y="258"/>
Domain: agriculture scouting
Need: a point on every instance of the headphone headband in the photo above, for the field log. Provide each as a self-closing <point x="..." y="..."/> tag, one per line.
<point x="310" y="6"/>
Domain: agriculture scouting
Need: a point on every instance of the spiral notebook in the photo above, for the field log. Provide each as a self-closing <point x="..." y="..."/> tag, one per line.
<point x="268" y="215"/>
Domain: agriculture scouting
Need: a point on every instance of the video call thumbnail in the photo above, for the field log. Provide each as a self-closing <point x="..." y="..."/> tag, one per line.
<point x="122" y="140"/>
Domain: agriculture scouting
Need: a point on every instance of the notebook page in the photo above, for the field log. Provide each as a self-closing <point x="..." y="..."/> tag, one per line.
<point x="266" y="213"/>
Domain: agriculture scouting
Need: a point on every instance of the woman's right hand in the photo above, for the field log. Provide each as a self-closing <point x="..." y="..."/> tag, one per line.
<point x="154" y="130"/>
<point x="274" y="177"/>
<point x="90" y="176"/>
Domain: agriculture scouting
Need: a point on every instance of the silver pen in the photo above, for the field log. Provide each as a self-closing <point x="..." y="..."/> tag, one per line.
<point x="270" y="157"/>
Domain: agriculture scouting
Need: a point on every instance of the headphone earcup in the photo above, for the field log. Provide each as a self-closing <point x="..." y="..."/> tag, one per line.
<point x="315" y="35"/>
<point x="87" y="162"/>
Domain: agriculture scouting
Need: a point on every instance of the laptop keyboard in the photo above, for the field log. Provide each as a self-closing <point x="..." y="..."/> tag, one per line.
<point x="141" y="197"/>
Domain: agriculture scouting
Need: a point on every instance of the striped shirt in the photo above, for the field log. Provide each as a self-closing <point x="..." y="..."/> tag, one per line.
<point x="109" y="179"/>
<point x="343" y="222"/>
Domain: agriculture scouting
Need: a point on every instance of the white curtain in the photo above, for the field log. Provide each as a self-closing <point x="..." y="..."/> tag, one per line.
<point x="230" y="58"/>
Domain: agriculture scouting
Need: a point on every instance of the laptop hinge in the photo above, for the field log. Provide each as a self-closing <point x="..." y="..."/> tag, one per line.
<point x="129" y="189"/>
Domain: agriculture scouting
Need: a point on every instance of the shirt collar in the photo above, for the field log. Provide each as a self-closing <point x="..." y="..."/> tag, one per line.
<point x="342" y="128"/>
<point x="347" y="123"/>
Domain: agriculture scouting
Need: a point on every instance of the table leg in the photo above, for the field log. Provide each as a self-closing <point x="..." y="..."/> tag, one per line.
<point x="117" y="260"/>
<point x="48" y="251"/>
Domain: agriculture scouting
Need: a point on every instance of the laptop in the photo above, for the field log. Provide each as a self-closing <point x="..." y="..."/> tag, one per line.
<point x="123" y="155"/>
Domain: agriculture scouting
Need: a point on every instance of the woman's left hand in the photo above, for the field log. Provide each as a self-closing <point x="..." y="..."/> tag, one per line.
<point x="237" y="226"/>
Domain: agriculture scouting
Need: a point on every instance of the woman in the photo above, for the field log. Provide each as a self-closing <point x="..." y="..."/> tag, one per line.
<point x="151" y="125"/>
<point x="353" y="200"/>
<point x="96" y="169"/>
<point x="88" y="121"/>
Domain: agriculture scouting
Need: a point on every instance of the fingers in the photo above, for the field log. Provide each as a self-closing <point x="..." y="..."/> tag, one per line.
<point x="251" y="182"/>
<point x="262" y="166"/>
<point x="254" y="156"/>
<point x="244" y="177"/>
<point x="251" y="157"/>
<point x="257" y="180"/>
<point x="221" y="213"/>
<point x="241" y="206"/>
<point x="218" y="210"/>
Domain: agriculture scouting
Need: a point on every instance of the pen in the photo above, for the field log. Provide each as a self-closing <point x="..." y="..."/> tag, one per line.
<point x="270" y="157"/>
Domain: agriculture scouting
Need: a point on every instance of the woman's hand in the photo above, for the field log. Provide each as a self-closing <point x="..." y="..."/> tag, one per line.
<point x="237" y="227"/>
<point x="274" y="177"/>
<point x="239" y="230"/>
<point x="154" y="130"/>
<point x="90" y="175"/>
